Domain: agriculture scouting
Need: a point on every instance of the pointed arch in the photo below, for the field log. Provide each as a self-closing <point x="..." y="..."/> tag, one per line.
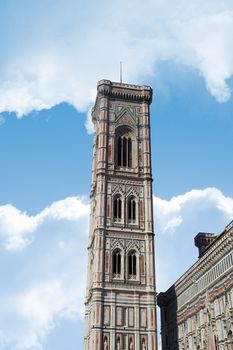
<point x="116" y="263"/>
<point x="131" y="345"/>
<point x="124" y="151"/>
<point x="117" y="208"/>
<point x="106" y="343"/>
<point x="143" y="344"/>
<point x="132" y="265"/>
<point x="230" y="339"/>
<point x="124" y="147"/>
<point x="118" y="343"/>
<point x="131" y="210"/>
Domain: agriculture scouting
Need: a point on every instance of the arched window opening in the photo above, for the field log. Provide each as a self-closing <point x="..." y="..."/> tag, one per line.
<point x="216" y="343"/>
<point x="118" y="343"/>
<point x="132" y="265"/>
<point x="230" y="340"/>
<point x="132" y="211"/>
<point x="129" y="153"/>
<point x="143" y="344"/>
<point x="117" y="209"/>
<point x="105" y="343"/>
<point x="124" y="151"/>
<point x="119" y="148"/>
<point x="131" y="347"/>
<point x="116" y="264"/>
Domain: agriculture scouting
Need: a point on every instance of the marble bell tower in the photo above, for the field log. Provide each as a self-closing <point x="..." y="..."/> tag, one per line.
<point x="120" y="296"/>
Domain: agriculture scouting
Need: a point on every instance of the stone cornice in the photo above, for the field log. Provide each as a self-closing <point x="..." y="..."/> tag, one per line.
<point x="200" y="300"/>
<point x="124" y="91"/>
<point x="218" y="249"/>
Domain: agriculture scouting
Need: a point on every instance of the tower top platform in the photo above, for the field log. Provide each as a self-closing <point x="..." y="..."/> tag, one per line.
<point x="139" y="93"/>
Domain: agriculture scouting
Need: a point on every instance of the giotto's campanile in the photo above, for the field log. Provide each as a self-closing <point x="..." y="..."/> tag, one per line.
<point x="120" y="296"/>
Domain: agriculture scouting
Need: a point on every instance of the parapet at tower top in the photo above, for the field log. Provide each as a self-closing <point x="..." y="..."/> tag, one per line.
<point x="139" y="93"/>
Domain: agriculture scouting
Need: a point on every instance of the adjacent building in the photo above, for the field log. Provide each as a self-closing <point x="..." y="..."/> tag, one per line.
<point x="120" y="297"/>
<point x="197" y="311"/>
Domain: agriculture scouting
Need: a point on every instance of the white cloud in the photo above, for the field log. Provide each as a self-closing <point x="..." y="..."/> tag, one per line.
<point x="88" y="124"/>
<point x="17" y="228"/>
<point x="170" y="214"/>
<point x="61" y="60"/>
<point x="177" y="221"/>
<point x="46" y="259"/>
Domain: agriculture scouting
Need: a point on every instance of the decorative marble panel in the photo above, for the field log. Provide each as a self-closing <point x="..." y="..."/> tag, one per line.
<point x="131" y="317"/>
<point x="143" y="317"/>
<point x="106" y="315"/>
<point x="119" y="318"/>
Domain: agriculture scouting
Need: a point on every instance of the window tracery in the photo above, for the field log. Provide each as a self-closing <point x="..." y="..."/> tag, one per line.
<point x="131" y="347"/>
<point x="117" y="209"/>
<point x="118" y="344"/>
<point x="116" y="262"/>
<point x="106" y="343"/>
<point x="124" y="151"/>
<point x="143" y="344"/>
<point x="132" y="210"/>
<point x="132" y="265"/>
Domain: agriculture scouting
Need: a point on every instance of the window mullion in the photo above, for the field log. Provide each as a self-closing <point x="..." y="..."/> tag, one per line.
<point x="122" y="151"/>
<point x="126" y="151"/>
<point x="131" y="208"/>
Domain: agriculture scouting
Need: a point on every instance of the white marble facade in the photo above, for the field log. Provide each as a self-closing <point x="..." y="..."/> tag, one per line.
<point x="197" y="311"/>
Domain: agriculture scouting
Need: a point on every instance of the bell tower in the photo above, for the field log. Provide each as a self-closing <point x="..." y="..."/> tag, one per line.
<point x="120" y="296"/>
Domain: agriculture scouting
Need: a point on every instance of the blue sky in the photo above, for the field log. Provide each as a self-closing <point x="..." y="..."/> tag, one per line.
<point x="52" y="55"/>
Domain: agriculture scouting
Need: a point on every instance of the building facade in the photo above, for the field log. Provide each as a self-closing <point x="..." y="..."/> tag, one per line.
<point x="120" y="296"/>
<point x="197" y="311"/>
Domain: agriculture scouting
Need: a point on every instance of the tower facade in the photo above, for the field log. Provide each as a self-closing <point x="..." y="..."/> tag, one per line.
<point x="120" y="297"/>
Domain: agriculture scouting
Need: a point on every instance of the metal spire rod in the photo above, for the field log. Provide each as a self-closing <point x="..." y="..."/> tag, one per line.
<point x="120" y="71"/>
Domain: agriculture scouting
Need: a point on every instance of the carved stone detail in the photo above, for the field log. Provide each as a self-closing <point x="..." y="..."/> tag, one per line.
<point x="125" y="116"/>
<point x="117" y="243"/>
<point x="132" y="191"/>
<point x="133" y="244"/>
<point x="108" y="242"/>
<point x="118" y="189"/>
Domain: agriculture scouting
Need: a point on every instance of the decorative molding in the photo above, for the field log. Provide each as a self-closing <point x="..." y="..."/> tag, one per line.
<point x="125" y="120"/>
<point x="122" y="111"/>
<point x="124" y="91"/>
<point x="117" y="243"/>
<point x="132" y="245"/>
<point x="220" y="268"/>
<point x="118" y="189"/>
<point x="132" y="191"/>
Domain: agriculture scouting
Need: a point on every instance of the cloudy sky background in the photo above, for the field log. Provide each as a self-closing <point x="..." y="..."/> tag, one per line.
<point x="52" y="55"/>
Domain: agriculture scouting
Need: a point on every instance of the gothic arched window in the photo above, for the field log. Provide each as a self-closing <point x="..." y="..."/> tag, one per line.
<point x="105" y="343"/>
<point x="117" y="209"/>
<point x="132" y="265"/>
<point x="132" y="210"/>
<point x="116" y="264"/>
<point x="124" y="151"/>
<point x="118" y="343"/>
<point x="230" y="339"/>
<point x="216" y="343"/>
<point x="131" y="347"/>
<point x="143" y="344"/>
